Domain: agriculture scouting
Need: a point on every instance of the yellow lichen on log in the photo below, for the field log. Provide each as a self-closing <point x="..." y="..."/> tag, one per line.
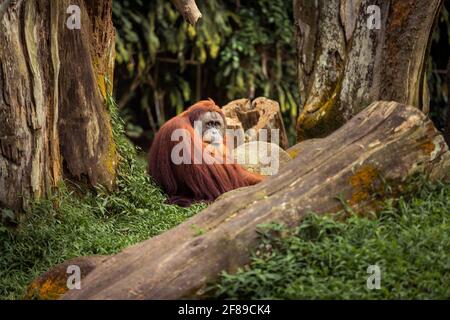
<point x="293" y="153"/>
<point x="364" y="183"/>
<point x="52" y="284"/>
<point x="428" y="147"/>
<point x="50" y="289"/>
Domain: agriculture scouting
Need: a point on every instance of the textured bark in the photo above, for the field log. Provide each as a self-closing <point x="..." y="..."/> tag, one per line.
<point x="86" y="141"/>
<point x="52" y="284"/>
<point x="447" y="127"/>
<point x="249" y="117"/>
<point x="189" y="10"/>
<point x="343" y="65"/>
<point x="300" y="148"/>
<point x="386" y="143"/>
<point x="52" y="112"/>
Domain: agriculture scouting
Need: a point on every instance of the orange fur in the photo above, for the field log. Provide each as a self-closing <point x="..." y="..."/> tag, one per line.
<point x="187" y="183"/>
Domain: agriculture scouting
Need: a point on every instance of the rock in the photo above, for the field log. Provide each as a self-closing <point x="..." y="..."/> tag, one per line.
<point x="261" y="157"/>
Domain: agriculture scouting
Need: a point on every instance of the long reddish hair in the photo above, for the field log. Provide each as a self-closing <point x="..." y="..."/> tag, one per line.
<point x="186" y="183"/>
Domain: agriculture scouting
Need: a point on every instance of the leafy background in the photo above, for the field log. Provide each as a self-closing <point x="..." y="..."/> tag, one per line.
<point x="164" y="65"/>
<point x="238" y="49"/>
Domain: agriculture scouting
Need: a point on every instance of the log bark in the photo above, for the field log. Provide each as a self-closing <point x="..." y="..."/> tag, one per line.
<point x="346" y="61"/>
<point x="300" y="148"/>
<point x="386" y="143"/>
<point x="248" y="117"/>
<point x="189" y="10"/>
<point x="447" y="126"/>
<point x="52" y="284"/>
<point x="54" y="122"/>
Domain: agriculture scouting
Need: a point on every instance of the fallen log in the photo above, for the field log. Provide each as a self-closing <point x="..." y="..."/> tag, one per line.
<point x="299" y="148"/>
<point x="386" y="143"/>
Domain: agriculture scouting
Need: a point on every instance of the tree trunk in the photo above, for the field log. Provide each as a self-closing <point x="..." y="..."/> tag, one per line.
<point x="348" y="58"/>
<point x="387" y="143"/>
<point x="447" y="126"/>
<point x="249" y="118"/>
<point x="54" y="122"/>
<point x="189" y="10"/>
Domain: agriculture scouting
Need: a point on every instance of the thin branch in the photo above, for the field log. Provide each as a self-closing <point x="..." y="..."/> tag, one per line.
<point x="189" y="10"/>
<point x="437" y="71"/>
<point x="176" y="61"/>
<point x="129" y="92"/>
<point x="150" y="117"/>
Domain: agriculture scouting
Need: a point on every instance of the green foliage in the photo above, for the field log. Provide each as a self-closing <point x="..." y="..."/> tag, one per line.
<point x="238" y="49"/>
<point x="148" y="28"/>
<point x="73" y="223"/>
<point x="259" y="57"/>
<point x="247" y="51"/>
<point x="328" y="259"/>
<point x="154" y="45"/>
<point x="232" y="52"/>
<point x="257" y="51"/>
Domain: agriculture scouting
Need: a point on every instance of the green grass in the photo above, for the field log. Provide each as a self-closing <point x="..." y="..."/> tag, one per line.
<point x="69" y="225"/>
<point x="75" y="222"/>
<point x="323" y="258"/>
<point x="328" y="259"/>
